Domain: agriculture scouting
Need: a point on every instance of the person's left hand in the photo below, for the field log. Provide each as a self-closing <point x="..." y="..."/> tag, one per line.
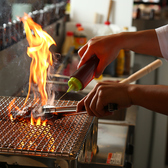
<point x="103" y="94"/>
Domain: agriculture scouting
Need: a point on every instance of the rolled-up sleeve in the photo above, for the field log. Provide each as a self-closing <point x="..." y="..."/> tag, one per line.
<point x="162" y="34"/>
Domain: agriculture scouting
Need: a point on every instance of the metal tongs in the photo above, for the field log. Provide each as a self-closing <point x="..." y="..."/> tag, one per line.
<point x="71" y="110"/>
<point x="63" y="110"/>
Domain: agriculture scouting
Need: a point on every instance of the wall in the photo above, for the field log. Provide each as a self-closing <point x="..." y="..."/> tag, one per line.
<point x="85" y="10"/>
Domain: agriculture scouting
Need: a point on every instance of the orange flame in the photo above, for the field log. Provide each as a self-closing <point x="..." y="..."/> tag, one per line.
<point x="39" y="44"/>
<point x="10" y="107"/>
<point x="38" y="50"/>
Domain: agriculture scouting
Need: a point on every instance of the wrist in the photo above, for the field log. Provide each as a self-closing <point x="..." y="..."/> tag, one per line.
<point x="119" y="40"/>
<point x="132" y="93"/>
<point x="128" y="40"/>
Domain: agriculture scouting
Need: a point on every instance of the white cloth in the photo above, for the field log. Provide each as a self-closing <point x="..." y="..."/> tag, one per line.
<point x="162" y="34"/>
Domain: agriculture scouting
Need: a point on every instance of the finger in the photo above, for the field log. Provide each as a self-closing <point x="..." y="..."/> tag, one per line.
<point x="93" y="106"/>
<point x="82" y="50"/>
<point x="86" y="56"/>
<point x="91" y="101"/>
<point x="106" y="83"/>
<point x="88" y="100"/>
<point x="102" y="99"/>
<point x="97" y="106"/>
<point x="80" y="105"/>
<point x="87" y="106"/>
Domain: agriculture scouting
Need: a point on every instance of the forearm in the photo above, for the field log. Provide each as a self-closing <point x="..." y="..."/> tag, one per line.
<point x="153" y="97"/>
<point x="144" y="42"/>
<point x="107" y="47"/>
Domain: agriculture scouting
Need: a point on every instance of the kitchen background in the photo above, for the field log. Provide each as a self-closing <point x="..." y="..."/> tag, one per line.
<point x="150" y="139"/>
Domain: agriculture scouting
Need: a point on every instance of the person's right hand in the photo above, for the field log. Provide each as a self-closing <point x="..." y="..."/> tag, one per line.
<point x="106" y="48"/>
<point x="103" y="94"/>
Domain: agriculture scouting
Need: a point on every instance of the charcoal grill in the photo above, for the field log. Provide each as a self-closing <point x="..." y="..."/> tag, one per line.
<point x="62" y="142"/>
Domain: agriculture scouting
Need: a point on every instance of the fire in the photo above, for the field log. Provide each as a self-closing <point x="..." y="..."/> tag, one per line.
<point x="11" y="104"/>
<point x="37" y="121"/>
<point x="39" y="44"/>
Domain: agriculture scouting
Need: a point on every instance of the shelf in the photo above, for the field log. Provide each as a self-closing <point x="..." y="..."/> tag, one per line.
<point x="148" y="3"/>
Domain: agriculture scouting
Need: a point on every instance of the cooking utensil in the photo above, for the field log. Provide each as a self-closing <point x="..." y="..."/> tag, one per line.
<point x="63" y="110"/>
<point x="70" y="110"/>
<point x="142" y="72"/>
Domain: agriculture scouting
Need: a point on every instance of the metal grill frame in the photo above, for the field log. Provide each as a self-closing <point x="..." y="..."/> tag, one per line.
<point x="10" y="132"/>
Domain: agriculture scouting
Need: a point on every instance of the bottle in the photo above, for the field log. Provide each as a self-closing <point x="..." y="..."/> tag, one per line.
<point x="5" y="37"/>
<point x="9" y="31"/>
<point x="105" y="30"/>
<point x="81" y="77"/>
<point x="152" y="14"/>
<point x="13" y="32"/>
<point x="120" y="63"/>
<point x="80" y="38"/>
<point x="68" y="7"/>
<point x="138" y="15"/>
<point x="1" y="38"/>
<point x="76" y="30"/>
<point x="127" y="57"/>
<point x="36" y="15"/>
<point x="69" y="42"/>
<point x="46" y="16"/>
<point x="41" y="21"/>
<point x="127" y="62"/>
<point x="22" y="31"/>
<point x="18" y="29"/>
<point x="53" y="16"/>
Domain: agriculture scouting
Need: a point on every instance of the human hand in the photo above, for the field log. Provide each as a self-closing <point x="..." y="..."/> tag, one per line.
<point x="106" y="48"/>
<point x="103" y="94"/>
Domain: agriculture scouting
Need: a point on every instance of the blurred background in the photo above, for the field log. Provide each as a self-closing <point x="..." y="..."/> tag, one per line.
<point x="71" y="24"/>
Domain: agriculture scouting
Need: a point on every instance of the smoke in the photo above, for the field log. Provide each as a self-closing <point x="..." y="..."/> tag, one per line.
<point x="50" y="88"/>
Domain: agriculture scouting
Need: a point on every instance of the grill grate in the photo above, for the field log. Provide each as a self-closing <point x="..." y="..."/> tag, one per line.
<point x="62" y="137"/>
